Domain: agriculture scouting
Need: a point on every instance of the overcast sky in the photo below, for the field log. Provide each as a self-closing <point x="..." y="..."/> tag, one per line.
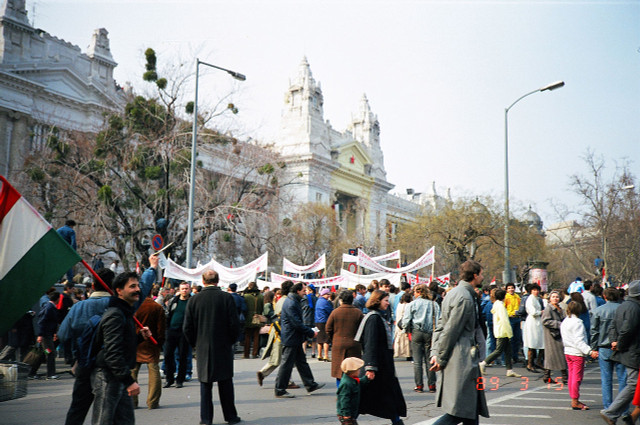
<point x="439" y="75"/>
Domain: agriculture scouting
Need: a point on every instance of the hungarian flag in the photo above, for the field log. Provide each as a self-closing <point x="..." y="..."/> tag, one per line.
<point x="33" y="258"/>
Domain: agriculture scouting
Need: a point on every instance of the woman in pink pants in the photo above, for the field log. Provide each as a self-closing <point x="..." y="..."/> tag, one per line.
<point x="574" y="339"/>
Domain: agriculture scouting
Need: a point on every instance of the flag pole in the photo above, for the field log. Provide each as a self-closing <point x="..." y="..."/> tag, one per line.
<point x="109" y="290"/>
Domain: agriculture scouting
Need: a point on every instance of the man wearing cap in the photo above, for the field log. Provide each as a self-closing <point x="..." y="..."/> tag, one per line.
<point x="625" y="344"/>
<point x="323" y="310"/>
<point x="293" y="332"/>
<point x="576" y="286"/>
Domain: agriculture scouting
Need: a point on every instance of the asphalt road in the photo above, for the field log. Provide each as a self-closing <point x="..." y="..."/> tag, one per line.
<point x="512" y="401"/>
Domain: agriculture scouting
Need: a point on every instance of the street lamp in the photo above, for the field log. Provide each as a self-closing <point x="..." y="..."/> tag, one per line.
<point x="194" y="141"/>
<point x="506" y="274"/>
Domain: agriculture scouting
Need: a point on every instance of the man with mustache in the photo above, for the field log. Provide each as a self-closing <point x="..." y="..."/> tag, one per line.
<point x="111" y="380"/>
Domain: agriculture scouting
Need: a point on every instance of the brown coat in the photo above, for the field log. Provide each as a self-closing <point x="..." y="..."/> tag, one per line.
<point x="151" y="314"/>
<point x="341" y="327"/>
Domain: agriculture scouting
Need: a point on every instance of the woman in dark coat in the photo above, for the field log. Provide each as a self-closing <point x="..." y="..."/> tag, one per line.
<point x="554" y="359"/>
<point x="382" y="397"/>
<point x="341" y="327"/>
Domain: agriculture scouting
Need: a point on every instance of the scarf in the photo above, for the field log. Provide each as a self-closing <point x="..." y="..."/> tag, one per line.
<point x="387" y="328"/>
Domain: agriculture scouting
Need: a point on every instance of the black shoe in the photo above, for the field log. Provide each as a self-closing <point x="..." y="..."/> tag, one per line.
<point x="260" y="378"/>
<point x="235" y="420"/>
<point x="179" y="385"/>
<point x="284" y="394"/>
<point x="314" y="387"/>
<point x="168" y="385"/>
<point x="626" y="419"/>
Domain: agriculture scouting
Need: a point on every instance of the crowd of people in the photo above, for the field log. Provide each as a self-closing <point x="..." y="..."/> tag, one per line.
<point x="451" y="335"/>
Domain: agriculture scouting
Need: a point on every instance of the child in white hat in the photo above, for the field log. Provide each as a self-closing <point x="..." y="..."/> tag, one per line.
<point x="349" y="390"/>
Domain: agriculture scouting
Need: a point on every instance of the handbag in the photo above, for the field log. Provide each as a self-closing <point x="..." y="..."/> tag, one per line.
<point x="34" y="355"/>
<point x="258" y="319"/>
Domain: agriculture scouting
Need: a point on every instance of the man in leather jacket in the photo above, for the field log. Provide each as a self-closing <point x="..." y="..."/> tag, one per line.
<point x="111" y="380"/>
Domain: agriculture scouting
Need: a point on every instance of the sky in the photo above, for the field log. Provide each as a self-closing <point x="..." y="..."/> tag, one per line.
<point x="438" y="74"/>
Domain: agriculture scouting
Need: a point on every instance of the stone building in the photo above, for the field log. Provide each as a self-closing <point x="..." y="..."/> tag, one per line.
<point x="343" y="168"/>
<point x="46" y="82"/>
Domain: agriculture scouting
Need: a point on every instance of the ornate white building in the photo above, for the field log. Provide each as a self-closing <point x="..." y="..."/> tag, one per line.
<point x="343" y="168"/>
<point x="47" y="82"/>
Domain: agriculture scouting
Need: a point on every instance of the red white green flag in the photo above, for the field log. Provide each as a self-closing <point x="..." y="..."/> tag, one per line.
<point x="33" y="255"/>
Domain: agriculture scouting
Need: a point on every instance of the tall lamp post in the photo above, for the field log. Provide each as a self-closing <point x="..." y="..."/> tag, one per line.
<point x="507" y="274"/>
<point x="194" y="142"/>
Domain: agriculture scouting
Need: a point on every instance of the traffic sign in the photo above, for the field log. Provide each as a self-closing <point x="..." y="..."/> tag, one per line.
<point x="156" y="242"/>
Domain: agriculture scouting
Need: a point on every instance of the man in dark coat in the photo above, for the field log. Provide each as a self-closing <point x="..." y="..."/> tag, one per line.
<point x="293" y="332"/>
<point x="625" y="343"/>
<point x="211" y="325"/>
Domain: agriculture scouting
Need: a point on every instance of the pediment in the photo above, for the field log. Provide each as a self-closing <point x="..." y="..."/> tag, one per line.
<point x="63" y="82"/>
<point x="354" y="157"/>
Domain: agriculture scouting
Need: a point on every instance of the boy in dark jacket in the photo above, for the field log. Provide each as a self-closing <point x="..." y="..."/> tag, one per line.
<point x="349" y="390"/>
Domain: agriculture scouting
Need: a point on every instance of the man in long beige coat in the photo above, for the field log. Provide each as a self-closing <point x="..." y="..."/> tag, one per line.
<point x="455" y="351"/>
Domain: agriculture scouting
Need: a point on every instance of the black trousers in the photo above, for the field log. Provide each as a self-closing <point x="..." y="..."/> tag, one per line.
<point x="81" y="397"/>
<point x="293" y="356"/>
<point x="175" y="338"/>
<point x="227" y="401"/>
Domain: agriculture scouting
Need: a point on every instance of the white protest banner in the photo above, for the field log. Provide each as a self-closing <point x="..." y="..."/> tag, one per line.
<point x="240" y="276"/>
<point x="395" y="255"/>
<point x="367" y="262"/>
<point x="353" y="279"/>
<point x="328" y="281"/>
<point x="414" y="280"/>
<point x="175" y="271"/>
<point x="444" y="280"/>
<point x="319" y="264"/>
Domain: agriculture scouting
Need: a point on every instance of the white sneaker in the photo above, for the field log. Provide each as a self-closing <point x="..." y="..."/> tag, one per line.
<point x="512" y="374"/>
<point x="482" y="365"/>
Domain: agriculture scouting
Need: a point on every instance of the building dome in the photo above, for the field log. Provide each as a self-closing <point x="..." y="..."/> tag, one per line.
<point x="532" y="219"/>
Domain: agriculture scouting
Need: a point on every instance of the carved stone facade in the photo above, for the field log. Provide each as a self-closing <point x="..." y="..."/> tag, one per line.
<point x="344" y="169"/>
<point x="47" y="82"/>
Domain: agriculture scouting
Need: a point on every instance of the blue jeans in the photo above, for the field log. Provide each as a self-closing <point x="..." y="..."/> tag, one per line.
<point x="112" y="404"/>
<point x="516" y="341"/>
<point x="491" y="340"/>
<point x="448" y="419"/>
<point x="606" y="375"/>
<point x="420" y="348"/>
<point x="620" y="404"/>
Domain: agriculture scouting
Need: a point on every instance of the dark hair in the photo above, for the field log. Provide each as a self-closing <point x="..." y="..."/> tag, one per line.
<point x="252" y="287"/>
<point x="404" y="286"/>
<point x="268" y="297"/>
<point x="107" y="276"/>
<point x="596" y="289"/>
<point x="385" y="282"/>
<point x="376" y="297"/>
<point x="70" y="223"/>
<point x="285" y="287"/>
<point x="527" y="287"/>
<point x="587" y="284"/>
<point x="122" y="279"/>
<point x="360" y="286"/>
<point x="54" y="296"/>
<point x="469" y="269"/>
<point x="210" y="277"/>
<point x="577" y="297"/>
<point x="510" y="284"/>
<point x="500" y="294"/>
<point x="346" y="297"/>
<point x="534" y="286"/>
<point x="297" y="287"/>
<point x="611" y="294"/>
<point x="574" y="308"/>
<point x="406" y="298"/>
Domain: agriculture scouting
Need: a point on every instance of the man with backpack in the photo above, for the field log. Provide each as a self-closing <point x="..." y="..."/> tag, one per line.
<point x="75" y="323"/>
